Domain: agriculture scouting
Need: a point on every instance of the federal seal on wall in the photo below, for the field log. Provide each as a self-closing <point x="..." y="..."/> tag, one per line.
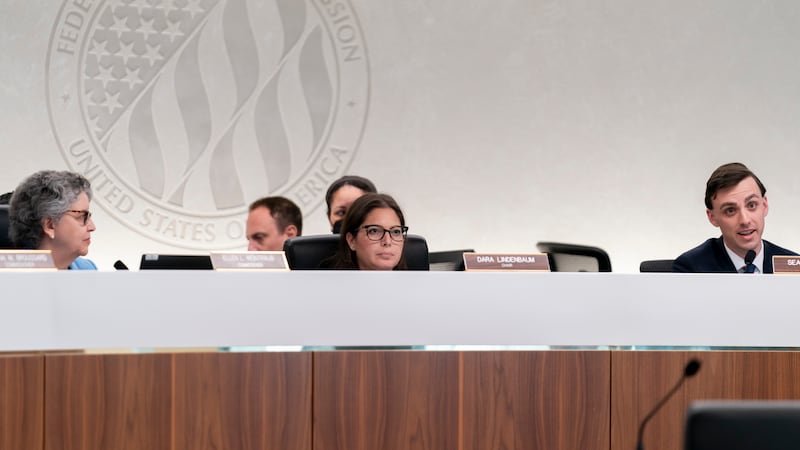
<point x="182" y="112"/>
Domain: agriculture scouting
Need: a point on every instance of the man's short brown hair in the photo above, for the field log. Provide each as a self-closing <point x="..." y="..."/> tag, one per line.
<point x="729" y="175"/>
<point x="283" y="210"/>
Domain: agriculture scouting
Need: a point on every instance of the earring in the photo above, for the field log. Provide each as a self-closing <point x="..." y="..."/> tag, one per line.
<point x="52" y="235"/>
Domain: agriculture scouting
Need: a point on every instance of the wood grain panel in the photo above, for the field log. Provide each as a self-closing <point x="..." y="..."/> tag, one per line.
<point x="390" y="400"/>
<point x="99" y="402"/>
<point x="641" y="378"/>
<point x="243" y="401"/>
<point x="536" y="400"/>
<point x="21" y="402"/>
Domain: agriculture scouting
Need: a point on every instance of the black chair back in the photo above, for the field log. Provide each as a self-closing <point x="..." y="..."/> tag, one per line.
<point x="450" y="260"/>
<point x="5" y="241"/>
<point x="656" y="265"/>
<point x="308" y="252"/>
<point x="575" y="258"/>
<point x="742" y="425"/>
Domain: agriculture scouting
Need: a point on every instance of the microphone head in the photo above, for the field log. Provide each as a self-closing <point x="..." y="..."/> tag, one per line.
<point x="749" y="257"/>
<point x="337" y="227"/>
<point x="119" y="265"/>
<point x="691" y="368"/>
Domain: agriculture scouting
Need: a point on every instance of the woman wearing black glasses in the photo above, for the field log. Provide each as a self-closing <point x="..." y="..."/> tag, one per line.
<point x="372" y="236"/>
<point x="50" y="211"/>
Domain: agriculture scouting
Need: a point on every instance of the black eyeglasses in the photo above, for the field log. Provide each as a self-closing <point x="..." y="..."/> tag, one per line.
<point x="83" y="212"/>
<point x="376" y="232"/>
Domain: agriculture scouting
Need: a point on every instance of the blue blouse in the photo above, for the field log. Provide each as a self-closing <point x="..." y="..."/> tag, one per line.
<point x="82" y="264"/>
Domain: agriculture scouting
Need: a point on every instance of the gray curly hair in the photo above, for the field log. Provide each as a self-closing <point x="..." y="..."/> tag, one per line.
<point x="47" y="193"/>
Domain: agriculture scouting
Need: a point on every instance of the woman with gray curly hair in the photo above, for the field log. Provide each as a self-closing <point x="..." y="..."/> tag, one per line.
<point x="50" y="211"/>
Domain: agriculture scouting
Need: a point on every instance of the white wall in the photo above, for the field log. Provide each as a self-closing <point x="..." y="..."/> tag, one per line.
<point x="494" y="124"/>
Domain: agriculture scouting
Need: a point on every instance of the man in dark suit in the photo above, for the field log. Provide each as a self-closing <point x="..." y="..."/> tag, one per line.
<point x="736" y="203"/>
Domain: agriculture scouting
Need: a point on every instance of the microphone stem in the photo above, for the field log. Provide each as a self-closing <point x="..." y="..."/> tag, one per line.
<point x="639" y="445"/>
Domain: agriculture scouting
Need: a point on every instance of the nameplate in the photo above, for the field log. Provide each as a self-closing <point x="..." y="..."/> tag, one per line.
<point x="786" y="264"/>
<point x="249" y="261"/>
<point x="519" y="262"/>
<point x="26" y="260"/>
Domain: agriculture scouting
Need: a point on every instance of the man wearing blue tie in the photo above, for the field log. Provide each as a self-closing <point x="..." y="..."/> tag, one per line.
<point x="736" y="203"/>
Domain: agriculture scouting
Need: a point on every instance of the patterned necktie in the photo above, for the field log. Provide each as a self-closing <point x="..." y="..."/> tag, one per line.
<point x="750" y="268"/>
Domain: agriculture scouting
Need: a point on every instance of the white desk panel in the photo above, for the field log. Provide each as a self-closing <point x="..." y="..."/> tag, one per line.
<point x="67" y="310"/>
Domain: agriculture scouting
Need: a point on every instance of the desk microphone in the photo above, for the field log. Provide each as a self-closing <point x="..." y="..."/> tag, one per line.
<point x="749" y="257"/>
<point x="691" y="368"/>
<point x="119" y="265"/>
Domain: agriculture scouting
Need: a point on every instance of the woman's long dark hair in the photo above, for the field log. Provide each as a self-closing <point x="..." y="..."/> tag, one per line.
<point x="354" y="219"/>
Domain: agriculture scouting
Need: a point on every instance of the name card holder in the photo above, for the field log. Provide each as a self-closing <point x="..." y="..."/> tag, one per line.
<point x="786" y="264"/>
<point x="266" y="261"/>
<point x="512" y="262"/>
<point x="26" y="260"/>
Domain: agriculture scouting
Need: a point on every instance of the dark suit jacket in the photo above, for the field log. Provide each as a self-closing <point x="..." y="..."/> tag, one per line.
<point x="711" y="257"/>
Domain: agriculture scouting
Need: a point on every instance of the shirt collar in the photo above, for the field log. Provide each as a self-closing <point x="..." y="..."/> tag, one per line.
<point x="738" y="261"/>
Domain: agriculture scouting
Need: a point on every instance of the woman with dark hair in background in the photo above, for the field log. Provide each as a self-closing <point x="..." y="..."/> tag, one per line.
<point x="50" y="211"/>
<point x="341" y="194"/>
<point x="373" y="235"/>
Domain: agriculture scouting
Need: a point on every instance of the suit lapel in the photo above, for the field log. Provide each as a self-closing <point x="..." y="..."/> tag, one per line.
<point x="768" y="251"/>
<point x="723" y="261"/>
